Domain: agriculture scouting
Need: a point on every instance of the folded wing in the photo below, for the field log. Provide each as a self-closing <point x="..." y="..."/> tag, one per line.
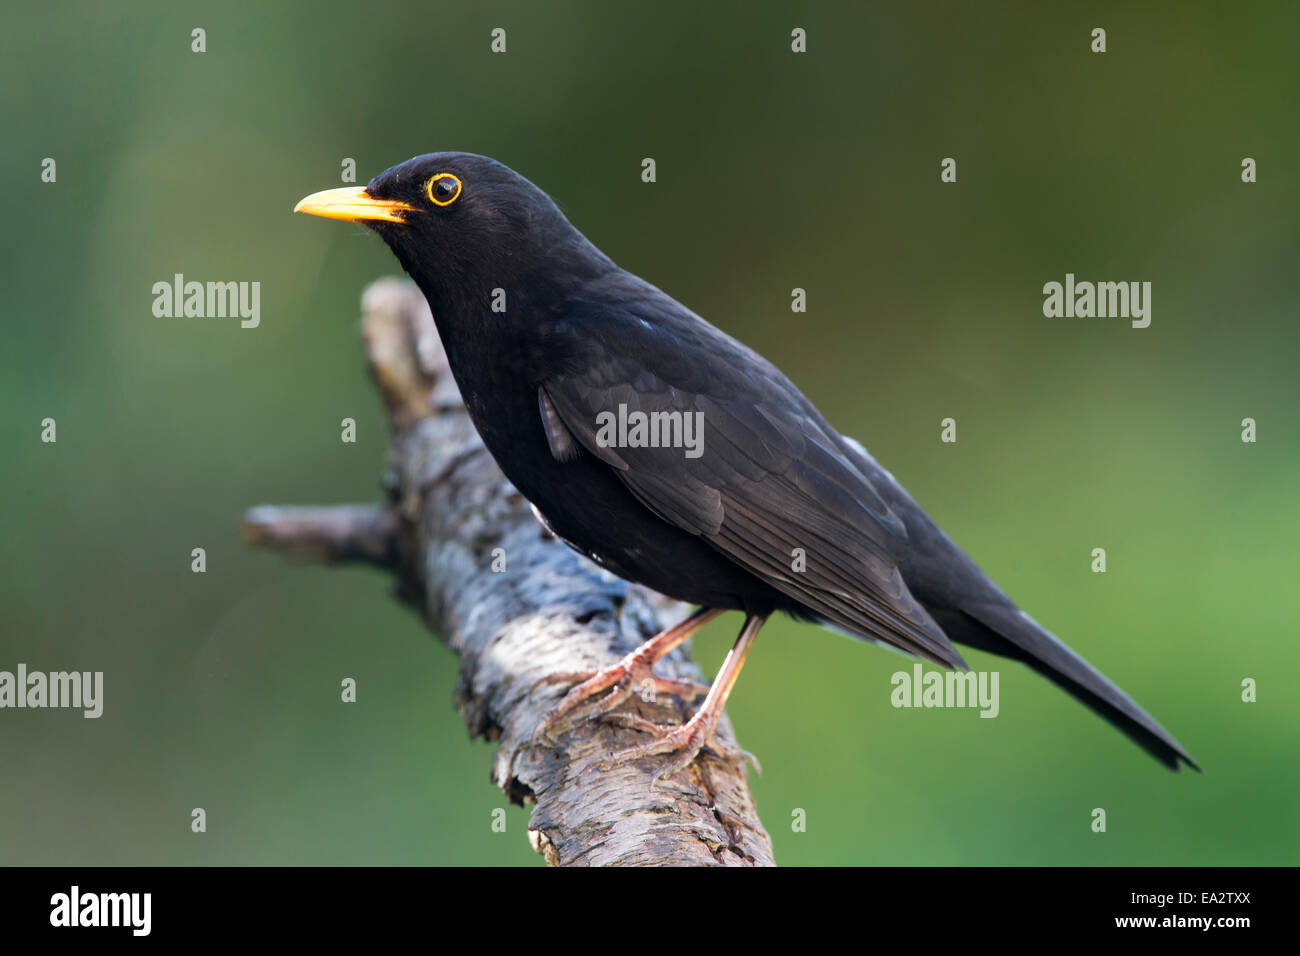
<point x="766" y="485"/>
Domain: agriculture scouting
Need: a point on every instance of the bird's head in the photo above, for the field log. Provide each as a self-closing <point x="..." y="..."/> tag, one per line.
<point x="463" y="225"/>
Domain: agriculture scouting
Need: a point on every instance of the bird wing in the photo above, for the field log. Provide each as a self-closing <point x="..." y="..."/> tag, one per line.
<point x="767" y="483"/>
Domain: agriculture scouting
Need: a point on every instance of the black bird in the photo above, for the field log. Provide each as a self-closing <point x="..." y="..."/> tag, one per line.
<point x="753" y="475"/>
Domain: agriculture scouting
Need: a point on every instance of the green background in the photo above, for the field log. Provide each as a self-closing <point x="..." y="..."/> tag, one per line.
<point x="775" y="170"/>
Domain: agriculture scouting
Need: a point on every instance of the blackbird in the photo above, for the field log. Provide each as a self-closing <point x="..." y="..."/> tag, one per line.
<point x="674" y="456"/>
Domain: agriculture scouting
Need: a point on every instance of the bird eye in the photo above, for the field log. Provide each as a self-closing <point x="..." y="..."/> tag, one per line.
<point x="443" y="189"/>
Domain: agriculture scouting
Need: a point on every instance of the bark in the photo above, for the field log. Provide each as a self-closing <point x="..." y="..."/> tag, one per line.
<point x="449" y="514"/>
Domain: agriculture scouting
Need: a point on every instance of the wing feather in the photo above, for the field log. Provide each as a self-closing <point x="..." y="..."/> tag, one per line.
<point x="769" y="479"/>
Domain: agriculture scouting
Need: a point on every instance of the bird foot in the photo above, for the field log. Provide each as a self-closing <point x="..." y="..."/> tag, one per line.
<point x="631" y="675"/>
<point x="682" y="742"/>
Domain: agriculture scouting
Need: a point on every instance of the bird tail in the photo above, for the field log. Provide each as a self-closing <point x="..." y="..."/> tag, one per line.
<point x="972" y="610"/>
<point x="1002" y="628"/>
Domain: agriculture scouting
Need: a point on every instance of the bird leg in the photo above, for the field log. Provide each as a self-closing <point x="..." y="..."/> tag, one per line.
<point x="631" y="675"/>
<point x="685" y="741"/>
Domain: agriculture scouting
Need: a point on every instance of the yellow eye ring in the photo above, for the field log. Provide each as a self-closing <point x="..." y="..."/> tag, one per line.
<point x="438" y="191"/>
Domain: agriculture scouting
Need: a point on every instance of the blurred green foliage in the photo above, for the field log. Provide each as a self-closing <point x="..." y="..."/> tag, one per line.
<point x="774" y="171"/>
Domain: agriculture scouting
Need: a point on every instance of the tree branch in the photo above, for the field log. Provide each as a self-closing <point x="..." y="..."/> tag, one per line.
<point x="450" y="514"/>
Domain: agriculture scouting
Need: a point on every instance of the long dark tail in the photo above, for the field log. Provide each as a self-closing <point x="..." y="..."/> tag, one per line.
<point x="1006" y="630"/>
<point x="972" y="610"/>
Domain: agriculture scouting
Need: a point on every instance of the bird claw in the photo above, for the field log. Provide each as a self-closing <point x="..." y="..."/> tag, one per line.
<point x="683" y="742"/>
<point x="631" y="675"/>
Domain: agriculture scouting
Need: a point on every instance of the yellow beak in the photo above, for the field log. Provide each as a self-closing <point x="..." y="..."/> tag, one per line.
<point x="352" y="203"/>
